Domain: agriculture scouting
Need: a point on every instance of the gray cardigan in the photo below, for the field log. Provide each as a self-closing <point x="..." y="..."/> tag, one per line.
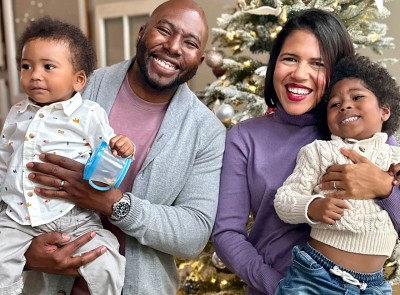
<point x="175" y="194"/>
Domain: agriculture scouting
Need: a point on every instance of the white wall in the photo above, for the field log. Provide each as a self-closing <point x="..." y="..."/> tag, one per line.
<point x="214" y="8"/>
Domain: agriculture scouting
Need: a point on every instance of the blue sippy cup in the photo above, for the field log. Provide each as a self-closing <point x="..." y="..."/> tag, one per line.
<point x="106" y="168"/>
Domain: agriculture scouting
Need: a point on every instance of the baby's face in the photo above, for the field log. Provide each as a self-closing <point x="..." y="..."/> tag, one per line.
<point x="46" y="73"/>
<point x="353" y="110"/>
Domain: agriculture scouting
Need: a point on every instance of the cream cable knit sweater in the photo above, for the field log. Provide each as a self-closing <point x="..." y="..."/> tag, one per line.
<point x="364" y="228"/>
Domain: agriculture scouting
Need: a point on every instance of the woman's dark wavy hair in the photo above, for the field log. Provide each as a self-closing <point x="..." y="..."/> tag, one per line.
<point x="376" y="79"/>
<point x="82" y="52"/>
<point x="333" y="38"/>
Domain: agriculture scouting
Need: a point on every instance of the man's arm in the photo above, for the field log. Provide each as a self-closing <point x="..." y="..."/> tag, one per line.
<point x="181" y="223"/>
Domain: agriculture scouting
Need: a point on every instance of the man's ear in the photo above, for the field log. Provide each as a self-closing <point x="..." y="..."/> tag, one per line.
<point x="140" y="34"/>
<point x="385" y="112"/>
<point x="80" y="81"/>
<point x="202" y="58"/>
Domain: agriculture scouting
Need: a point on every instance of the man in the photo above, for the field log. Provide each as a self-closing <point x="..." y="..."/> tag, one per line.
<point x="167" y="203"/>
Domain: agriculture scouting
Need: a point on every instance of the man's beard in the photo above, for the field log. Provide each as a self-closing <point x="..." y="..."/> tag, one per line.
<point x="140" y="59"/>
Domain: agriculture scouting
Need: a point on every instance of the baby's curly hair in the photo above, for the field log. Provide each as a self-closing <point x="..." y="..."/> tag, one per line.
<point x="375" y="78"/>
<point x="83" y="56"/>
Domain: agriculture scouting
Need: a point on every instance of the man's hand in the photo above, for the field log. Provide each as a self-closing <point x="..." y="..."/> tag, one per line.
<point x="66" y="176"/>
<point x="45" y="253"/>
<point x="361" y="180"/>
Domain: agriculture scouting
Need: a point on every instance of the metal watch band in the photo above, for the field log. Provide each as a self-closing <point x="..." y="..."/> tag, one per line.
<point x="121" y="208"/>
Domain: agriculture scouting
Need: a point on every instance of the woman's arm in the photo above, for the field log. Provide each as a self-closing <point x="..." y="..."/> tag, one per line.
<point x="364" y="180"/>
<point x="230" y="237"/>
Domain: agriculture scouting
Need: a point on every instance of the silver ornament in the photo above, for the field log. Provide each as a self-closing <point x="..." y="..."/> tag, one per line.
<point x="217" y="262"/>
<point x="225" y="113"/>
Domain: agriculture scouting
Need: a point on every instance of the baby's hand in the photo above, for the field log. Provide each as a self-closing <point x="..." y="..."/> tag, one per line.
<point x="394" y="170"/>
<point x="327" y="210"/>
<point x="122" y="146"/>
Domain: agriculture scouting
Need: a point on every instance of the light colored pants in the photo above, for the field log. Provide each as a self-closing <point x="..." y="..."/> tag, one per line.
<point x="105" y="275"/>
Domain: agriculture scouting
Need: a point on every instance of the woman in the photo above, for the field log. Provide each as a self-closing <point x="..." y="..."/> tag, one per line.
<point x="260" y="154"/>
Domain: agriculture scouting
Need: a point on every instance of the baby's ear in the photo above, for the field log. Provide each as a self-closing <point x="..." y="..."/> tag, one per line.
<point x="385" y="112"/>
<point x="80" y="81"/>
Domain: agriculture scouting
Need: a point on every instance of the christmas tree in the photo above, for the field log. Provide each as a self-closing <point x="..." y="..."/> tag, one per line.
<point x="242" y="41"/>
<point x="237" y="94"/>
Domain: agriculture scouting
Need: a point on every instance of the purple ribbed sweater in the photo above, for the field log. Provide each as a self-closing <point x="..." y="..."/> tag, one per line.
<point x="260" y="154"/>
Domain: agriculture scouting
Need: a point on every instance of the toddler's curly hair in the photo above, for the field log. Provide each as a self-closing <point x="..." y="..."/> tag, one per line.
<point x="82" y="52"/>
<point x="375" y="78"/>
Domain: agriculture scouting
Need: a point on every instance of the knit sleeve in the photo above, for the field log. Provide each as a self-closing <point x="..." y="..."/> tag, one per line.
<point x="293" y="198"/>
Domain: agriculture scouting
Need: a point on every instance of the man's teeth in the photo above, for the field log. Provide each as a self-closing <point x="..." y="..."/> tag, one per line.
<point x="165" y="64"/>
<point x="299" y="91"/>
<point x="350" y="119"/>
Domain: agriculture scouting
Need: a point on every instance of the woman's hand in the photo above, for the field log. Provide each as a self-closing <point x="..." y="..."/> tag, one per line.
<point x="361" y="180"/>
<point x="45" y="253"/>
<point x="66" y="175"/>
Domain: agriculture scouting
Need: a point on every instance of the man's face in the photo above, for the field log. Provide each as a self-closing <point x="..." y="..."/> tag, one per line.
<point x="170" y="47"/>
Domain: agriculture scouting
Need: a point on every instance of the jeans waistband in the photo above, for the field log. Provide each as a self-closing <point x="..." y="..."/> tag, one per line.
<point x="374" y="279"/>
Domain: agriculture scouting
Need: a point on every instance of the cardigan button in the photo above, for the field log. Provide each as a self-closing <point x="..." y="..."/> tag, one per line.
<point x="361" y="148"/>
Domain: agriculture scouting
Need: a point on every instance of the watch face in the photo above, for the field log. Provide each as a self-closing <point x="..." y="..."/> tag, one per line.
<point x="121" y="209"/>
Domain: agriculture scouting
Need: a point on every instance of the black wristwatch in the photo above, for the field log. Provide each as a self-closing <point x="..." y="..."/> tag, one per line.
<point x="121" y="208"/>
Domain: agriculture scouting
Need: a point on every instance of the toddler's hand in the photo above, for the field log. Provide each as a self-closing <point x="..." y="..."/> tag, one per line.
<point x="122" y="146"/>
<point x="394" y="170"/>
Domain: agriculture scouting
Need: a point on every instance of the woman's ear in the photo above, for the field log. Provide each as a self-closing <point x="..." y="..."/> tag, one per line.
<point x="385" y="112"/>
<point x="80" y="81"/>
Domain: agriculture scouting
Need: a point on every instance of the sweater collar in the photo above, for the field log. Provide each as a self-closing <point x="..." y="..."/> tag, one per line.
<point x="378" y="139"/>
<point x="306" y="119"/>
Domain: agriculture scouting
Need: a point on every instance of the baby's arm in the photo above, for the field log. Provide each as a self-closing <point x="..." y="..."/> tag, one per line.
<point x="122" y="146"/>
<point x="296" y="202"/>
<point x="327" y="210"/>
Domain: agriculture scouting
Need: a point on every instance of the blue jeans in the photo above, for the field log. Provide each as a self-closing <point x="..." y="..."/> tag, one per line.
<point x="310" y="274"/>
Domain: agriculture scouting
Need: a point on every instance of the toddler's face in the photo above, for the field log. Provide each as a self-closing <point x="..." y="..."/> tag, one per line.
<point x="353" y="110"/>
<point x="46" y="73"/>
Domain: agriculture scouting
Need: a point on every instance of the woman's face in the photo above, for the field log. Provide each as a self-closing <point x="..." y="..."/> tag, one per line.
<point x="300" y="74"/>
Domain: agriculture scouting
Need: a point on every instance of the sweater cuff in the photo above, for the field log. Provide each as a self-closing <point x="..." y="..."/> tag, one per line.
<point x="300" y="209"/>
<point x="309" y="221"/>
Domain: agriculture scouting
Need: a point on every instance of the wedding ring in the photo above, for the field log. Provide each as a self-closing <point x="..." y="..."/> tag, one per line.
<point x="61" y="185"/>
<point x="334" y="185"/>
